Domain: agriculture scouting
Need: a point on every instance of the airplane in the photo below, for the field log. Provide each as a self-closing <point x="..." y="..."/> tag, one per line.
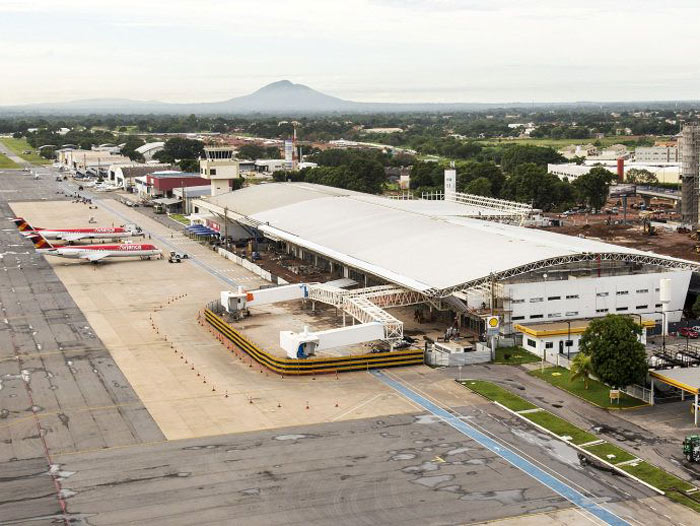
<point x="94" y="253"/>
<point x="69" y="235"/>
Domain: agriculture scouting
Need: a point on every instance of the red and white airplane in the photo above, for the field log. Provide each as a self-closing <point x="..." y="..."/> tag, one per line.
<point x="94" y="253"/>
<point x="75" y="234"/>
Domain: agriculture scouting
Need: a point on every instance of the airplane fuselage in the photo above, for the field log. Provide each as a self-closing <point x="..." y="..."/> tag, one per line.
<point x="98" y="252"/>
<point x="85" y="233"/>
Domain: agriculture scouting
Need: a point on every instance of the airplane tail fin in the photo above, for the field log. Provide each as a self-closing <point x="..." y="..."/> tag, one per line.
<point x="39" y="242"/>
<point x="22" y="225"/>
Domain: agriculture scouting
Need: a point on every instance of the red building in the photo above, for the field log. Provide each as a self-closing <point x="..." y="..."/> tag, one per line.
<point x="163" y="183"/>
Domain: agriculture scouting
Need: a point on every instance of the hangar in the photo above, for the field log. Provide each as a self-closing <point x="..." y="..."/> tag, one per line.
<point x="461" y="254"/>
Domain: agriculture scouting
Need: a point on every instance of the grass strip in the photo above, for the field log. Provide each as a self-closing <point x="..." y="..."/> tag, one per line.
<point x="657" y="477"/>
<point x="6" y="162"/>
<point x="597" y="393"/>
<point x="514" y="356"/>
<point x="180" y="219"/>
<point x="19" y="146"/>
<point x="560" y="427"/>
<point x="671" y="485"/>
<point x="683" y="500"/>
<point x="498" y="394"/>
<point x="603" y="450"/>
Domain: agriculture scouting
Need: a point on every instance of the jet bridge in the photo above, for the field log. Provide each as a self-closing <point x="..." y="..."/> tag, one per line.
<point x="364" y="305"/>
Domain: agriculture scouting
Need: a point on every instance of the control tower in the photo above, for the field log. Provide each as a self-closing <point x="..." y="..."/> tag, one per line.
<point x="220" y="167"/>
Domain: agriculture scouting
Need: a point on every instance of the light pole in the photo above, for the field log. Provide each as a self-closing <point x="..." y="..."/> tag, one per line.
<point x="663" y="331"/>
<point x="568" y="340"/>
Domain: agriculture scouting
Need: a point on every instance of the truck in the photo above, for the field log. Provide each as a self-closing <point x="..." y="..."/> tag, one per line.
<point x="691" y="448"/>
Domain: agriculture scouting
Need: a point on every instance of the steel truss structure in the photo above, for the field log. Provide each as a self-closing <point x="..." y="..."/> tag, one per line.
<point x="640" y="259"/>
<point x="503" y="206"/>
<point x="491" y="203"/>
<point x="366" y="304"/>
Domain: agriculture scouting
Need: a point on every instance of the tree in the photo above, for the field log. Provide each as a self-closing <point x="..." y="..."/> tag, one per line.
<point x="129" y="149"/>
<point x="594" y="186"/>
<point x="426" y="174"/>
<point x="479" y="186"/>
<point x="617" y="356"/>
<point x="696" y="307"/>
<point x="178" y="148"/>
<point x="471" y="170"/>
<point x="189" y="165"/>
<point x="581" y="367"/>
<point x="640" y="176"/>
<point x="532" y="184"/>
<point x="251" y="152"/>
<point x="516" y="155"/>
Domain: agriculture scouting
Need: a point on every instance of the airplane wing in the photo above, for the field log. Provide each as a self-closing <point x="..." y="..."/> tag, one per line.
<point x="72" y="237"/>
<point x="93" y="258"/>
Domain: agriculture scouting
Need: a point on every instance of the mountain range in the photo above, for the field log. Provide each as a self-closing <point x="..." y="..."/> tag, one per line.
<point x="286" y="98"/>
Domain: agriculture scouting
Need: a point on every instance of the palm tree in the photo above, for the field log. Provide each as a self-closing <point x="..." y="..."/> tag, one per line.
<point x="581" y="367"/>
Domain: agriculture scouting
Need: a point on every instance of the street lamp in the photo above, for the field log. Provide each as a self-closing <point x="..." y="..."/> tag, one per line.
<point x="568" y="340"/>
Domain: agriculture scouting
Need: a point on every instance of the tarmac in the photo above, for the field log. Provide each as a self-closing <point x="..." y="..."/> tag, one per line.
<point x="146" y="441"/>
<point x="130" y="304"/>
<point x="60" y="389"/>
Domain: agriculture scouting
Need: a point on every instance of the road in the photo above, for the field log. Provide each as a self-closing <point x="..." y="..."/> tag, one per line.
<point x="13" y="156"/>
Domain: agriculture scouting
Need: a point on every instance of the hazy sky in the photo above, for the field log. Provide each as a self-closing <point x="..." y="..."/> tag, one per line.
<point x="364" y="50"/>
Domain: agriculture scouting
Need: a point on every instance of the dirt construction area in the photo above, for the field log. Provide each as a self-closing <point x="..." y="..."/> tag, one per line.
<point x="145" y="312"/>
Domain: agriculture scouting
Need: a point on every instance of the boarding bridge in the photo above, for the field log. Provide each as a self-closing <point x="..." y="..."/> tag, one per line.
<point x="365" y="305"/>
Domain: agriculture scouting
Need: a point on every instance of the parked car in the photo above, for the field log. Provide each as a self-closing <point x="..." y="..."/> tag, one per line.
<point x="689" y="333"/>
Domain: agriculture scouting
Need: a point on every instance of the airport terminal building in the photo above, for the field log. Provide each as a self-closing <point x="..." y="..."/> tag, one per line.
<point x="465" y="255"/>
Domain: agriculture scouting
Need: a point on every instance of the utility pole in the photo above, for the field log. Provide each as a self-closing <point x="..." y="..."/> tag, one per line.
<point x="225" y="227"/>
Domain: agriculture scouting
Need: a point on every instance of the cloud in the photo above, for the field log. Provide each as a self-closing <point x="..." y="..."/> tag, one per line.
<point x="401" y="50"/>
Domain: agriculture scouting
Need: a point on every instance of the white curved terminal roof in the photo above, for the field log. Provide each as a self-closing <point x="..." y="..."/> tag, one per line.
<point x="150" y="146"/>
<point x="424" y="245"/>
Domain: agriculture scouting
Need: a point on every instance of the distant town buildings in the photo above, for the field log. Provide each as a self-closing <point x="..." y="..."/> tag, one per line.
<point x="382" y="130"/>
<point x="590" y="151"/>
<point x="568" y="171"/>
<point x="657" y="154"/>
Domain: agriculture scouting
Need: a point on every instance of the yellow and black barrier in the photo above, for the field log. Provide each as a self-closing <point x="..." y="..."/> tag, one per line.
<point x="333" y="364"/>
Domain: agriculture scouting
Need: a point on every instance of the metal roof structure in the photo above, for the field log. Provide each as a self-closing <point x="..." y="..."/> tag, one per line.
<point x="144" y="148"/>
<point x="167" y="201"/>
<point x="433" y="247"/>
<point x="560" y="328"/>
<point x="687" y="379"/>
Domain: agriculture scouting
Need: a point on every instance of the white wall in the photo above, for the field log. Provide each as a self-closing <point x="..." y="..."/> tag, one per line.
<point x="590" y="297"/>
<point x="540" y="345"/>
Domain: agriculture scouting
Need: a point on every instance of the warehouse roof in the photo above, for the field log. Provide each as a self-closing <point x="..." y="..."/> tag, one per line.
<point x="423" y="245"/>
<point x="149" y="146"/>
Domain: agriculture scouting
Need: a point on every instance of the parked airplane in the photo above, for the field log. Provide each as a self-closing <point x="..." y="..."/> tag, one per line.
<point x="70" y="235"/>
<point x="94" y="253"/>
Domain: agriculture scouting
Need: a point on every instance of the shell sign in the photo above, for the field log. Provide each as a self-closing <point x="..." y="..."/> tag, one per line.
<point x="493" y="323"/>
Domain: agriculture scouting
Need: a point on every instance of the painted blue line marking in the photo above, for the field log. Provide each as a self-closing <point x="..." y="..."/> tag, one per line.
<point x="507" y="454"/>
